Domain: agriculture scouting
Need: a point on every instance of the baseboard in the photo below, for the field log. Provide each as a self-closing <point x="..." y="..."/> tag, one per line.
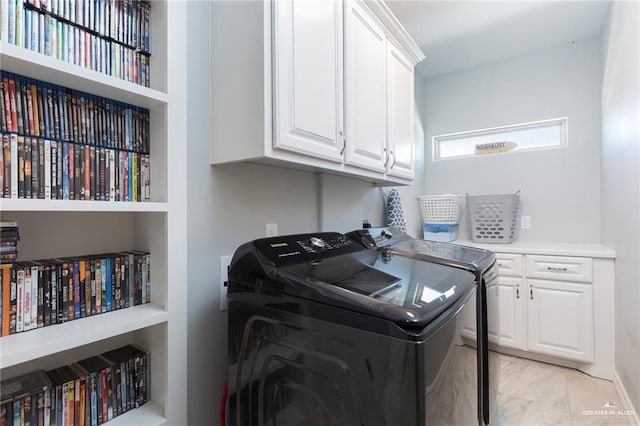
<point x="626" y="401"/>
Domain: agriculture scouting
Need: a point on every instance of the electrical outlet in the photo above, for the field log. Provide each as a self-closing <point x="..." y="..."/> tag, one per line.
<point x="525" y="222"/>
<point x="224" y="277"/>
<point x="271" y="229"/>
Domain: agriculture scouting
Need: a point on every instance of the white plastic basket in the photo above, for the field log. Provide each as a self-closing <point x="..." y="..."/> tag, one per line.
<point x="493" y="218"/>
<point x="444" y="209"/>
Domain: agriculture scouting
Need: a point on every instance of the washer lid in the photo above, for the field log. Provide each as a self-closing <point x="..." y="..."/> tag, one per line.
<point x="407" y="291"/>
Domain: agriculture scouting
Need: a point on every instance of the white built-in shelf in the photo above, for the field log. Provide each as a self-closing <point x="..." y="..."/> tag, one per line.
<point x="30" y="345"/>
<point x="26" y="204"/>
<point x="147" y="415"/>
<point x="41" y="67"/>
<point x="57" y="227"/>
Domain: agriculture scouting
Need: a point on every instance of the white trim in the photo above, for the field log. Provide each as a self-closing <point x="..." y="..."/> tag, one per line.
<point x="634" y="420"/>
<point x="395" y="28"/>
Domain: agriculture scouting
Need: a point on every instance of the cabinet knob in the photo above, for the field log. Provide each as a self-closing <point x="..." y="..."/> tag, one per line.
<point x="557" y="268"/>
<point x="517" y="293"/>
<point x="394" y="159"/>
<point x="531" y="293"/>
<point x="386" y="157"/>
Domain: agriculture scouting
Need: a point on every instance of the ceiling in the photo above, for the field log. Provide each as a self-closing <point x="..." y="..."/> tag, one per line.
<point x="455" y="35"/>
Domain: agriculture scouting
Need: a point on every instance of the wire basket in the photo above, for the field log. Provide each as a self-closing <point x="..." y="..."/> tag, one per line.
<point x="493" y="218"/>
<point x="444" y="209"/>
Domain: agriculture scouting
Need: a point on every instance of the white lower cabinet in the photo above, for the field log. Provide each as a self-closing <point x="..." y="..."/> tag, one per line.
<point x="507" y="329"/>
<point x="560" y="319"/>
<point x="506" y="325"/>
<point x="545" y="305"/>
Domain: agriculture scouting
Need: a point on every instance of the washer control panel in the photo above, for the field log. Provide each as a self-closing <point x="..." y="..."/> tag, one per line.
<point x="287" y="249"/>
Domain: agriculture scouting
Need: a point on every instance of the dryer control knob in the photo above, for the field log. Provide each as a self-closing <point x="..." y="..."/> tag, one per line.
<point x="317" y="242"/>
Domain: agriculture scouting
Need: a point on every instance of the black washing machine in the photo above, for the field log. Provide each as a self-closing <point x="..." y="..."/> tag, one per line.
<point x="357" y="329"/>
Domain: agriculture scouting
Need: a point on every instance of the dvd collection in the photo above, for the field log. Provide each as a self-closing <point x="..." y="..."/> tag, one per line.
<point x="59" y="143"/>
<point x="88" y="392"/>
<point x="109" y="36"/>
<point x="9" y="237"/>
<point x="41" y="293"/>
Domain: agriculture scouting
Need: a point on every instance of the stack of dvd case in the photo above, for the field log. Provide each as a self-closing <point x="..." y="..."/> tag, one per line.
<point x="9" y="237"/>
<point x="108" y="36"/>
<point x="59" y="143"/>
<point x="46" y="292"/>
<point x="89" y="392"/>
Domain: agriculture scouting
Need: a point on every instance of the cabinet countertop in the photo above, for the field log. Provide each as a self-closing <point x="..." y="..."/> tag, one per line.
<point x="594" y="250"/>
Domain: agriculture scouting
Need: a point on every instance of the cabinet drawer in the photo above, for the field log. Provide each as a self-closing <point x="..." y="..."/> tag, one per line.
<point x="562" y="268"/>
<point x="509" y="264"/>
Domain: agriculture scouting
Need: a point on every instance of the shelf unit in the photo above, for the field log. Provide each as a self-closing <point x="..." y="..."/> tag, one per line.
<point x="57" y="228"/>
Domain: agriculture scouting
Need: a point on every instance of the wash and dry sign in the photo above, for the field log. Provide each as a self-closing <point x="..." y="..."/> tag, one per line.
<point x="494" y="147"/>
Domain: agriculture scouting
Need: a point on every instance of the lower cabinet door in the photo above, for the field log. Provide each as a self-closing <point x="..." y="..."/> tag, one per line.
<point x="507" y="322"/>
<point x="560" y="319"/>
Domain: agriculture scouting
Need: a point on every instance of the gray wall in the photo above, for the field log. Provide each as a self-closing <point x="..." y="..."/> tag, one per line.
<point x="559" y="188"/>
<point x="228" y="205"/>
<point x="620" y="182"/>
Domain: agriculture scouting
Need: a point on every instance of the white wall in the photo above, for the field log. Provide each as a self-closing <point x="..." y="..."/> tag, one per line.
<point x="559" y="188"/>
<point x="227" y="206"/>
<point x="620" y="181"/>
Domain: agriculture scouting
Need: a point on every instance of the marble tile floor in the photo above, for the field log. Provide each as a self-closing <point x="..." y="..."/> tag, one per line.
<point x="534" y="393"/>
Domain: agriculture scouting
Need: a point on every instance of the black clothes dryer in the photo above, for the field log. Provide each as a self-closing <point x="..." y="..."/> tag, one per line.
<point x="392" y="242"/>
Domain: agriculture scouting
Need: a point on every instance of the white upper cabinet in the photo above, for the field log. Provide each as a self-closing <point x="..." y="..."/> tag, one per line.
<point x="308" y="77"/>
<point x="365" y="90"/>
<point x="400" y="110"/>
<point x="318" y="85"/>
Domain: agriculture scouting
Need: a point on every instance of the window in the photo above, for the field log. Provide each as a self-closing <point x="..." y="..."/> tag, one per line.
<point x="499" y="140"/>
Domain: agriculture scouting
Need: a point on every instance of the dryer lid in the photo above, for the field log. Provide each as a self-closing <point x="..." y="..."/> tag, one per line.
<point x="395" y="241"/>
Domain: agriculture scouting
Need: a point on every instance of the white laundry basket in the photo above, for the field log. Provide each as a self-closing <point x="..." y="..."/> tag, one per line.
<point x="441" y="209"/>
<point x="493" y="218"/>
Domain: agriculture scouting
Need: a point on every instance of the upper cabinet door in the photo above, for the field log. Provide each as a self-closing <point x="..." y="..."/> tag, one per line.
<point x="400" y="113"/>
<point x="365" y="89"/>
<point x="308" y="77"/>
